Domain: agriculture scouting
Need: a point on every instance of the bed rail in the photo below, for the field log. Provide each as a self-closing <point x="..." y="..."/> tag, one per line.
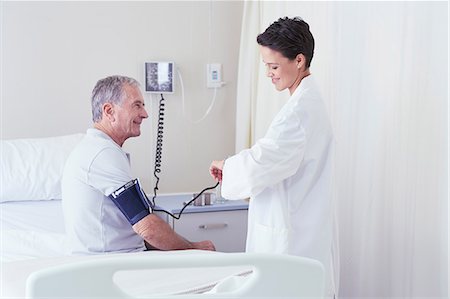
<point x="274" y="276"/>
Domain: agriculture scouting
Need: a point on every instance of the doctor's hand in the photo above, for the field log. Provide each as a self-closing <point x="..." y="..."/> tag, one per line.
<point x="215" y="170"/>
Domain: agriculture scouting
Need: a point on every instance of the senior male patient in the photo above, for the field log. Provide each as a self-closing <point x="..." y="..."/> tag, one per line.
<point x="96" y="221"/>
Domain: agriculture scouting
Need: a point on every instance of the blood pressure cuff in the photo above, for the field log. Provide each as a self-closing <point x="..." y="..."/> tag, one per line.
<point x="132" y="201"/>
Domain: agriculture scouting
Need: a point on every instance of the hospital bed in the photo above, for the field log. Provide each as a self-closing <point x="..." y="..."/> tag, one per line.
<point x="33" y="247"/>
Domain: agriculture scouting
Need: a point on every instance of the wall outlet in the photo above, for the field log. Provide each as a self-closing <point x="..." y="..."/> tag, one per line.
<point x="214" y="75"/>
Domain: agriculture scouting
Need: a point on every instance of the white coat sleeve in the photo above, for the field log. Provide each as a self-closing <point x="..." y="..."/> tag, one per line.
<point x="271" y="160"/>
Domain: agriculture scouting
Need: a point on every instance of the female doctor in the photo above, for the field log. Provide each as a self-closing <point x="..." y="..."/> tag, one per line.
<point x="287" y="173"/>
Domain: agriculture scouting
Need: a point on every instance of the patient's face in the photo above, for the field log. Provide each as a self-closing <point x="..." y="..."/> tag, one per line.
<point x="129" y="114"/>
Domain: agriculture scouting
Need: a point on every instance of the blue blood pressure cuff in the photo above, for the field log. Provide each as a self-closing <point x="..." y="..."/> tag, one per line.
<point x="132" y="201"/>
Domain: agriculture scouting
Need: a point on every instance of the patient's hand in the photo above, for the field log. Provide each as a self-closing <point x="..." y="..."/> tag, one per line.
<point x="204" y="245"/>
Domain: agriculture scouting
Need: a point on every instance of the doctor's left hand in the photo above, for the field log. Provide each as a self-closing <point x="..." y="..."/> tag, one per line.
<point x="215" y="170"/>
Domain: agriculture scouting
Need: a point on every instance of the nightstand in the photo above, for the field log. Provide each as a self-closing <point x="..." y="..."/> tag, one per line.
<point x="225" y="224"/>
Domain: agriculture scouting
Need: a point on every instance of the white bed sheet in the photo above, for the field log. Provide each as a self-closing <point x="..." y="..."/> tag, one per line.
<point x="45" y="215"/>
<point x="32" y="237"/>
<point x="31" y="229"/>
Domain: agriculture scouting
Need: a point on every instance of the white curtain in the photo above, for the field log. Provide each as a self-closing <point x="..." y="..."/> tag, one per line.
<point x="383" y="71"/>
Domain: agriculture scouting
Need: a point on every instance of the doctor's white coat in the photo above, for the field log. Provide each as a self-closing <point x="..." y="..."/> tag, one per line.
<point x="287" y="175"/>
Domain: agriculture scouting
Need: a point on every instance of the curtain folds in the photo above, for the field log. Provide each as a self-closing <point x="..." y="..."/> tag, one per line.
<point x="383" y="71"/>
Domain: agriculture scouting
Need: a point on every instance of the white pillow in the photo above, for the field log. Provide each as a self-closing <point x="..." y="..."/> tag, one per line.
<point x="31" y="169"/>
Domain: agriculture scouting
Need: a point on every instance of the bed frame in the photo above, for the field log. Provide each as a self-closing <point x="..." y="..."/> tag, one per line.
<point x="273" y="276"/>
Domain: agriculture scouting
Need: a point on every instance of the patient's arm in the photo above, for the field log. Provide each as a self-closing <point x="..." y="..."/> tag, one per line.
<point x="160" y="235"/>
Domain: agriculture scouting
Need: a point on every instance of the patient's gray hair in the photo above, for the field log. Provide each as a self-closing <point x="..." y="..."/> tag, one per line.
<point x="109" y="90"/>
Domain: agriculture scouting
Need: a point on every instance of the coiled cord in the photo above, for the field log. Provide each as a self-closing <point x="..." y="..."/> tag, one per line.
<point x="158" y="158"/>
<point x="159" y="143"/>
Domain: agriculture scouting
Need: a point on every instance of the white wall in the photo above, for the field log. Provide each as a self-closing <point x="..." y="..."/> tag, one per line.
<point x="53" y="53"/>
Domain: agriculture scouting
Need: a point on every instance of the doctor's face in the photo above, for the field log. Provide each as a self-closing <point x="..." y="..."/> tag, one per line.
<point x="129" y="114"/>
<point x="285" y="73"/>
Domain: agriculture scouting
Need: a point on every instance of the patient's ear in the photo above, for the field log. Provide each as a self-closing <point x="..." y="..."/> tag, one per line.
<point x="108" y="111"/>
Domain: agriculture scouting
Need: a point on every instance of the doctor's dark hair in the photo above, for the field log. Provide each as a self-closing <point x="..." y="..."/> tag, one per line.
<point x="109" y="90"/>
<point x="290" y="37"/>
